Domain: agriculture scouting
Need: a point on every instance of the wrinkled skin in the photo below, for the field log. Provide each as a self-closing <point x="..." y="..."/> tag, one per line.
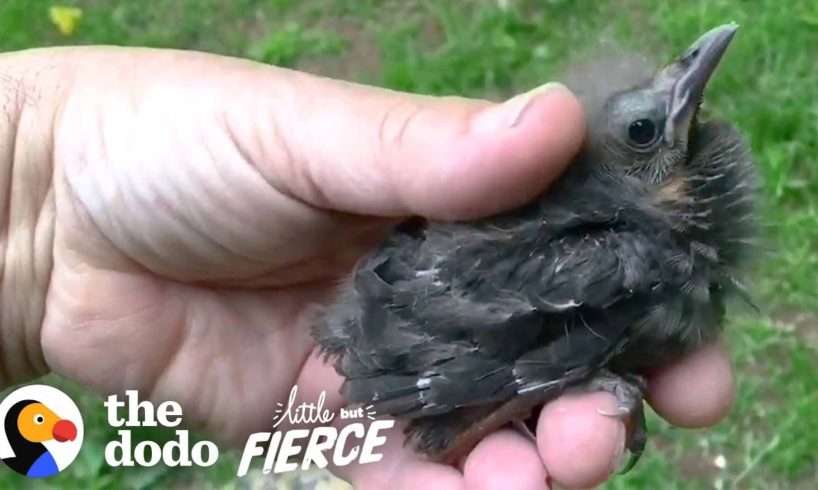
<point x="172" y="217"/>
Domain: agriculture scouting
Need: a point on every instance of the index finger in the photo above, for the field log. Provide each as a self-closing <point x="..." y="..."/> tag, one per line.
<point x="696" y="390"/>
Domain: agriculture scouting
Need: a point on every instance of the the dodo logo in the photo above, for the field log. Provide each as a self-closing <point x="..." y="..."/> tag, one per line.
<point x="41" y="431"/>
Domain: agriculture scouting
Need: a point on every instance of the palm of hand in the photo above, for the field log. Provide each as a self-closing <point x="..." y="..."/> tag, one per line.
<point x="185" y="292"/>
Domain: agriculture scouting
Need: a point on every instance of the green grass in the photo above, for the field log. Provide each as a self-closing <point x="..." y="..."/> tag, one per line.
<point x="768" y="86"/>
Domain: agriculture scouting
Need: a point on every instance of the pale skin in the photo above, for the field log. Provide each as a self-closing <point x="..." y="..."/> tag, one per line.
<point x="171" y="218"/>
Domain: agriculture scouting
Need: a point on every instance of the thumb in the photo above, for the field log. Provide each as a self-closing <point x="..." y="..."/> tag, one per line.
<point x="371" y="151"/>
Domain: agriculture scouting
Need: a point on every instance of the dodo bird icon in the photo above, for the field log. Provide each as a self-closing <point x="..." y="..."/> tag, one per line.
<point x="42" y="434"/>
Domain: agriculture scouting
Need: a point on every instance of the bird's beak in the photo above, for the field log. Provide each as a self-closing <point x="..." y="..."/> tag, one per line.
<point x="687" y="77"/>
<point x="64" y="430"/>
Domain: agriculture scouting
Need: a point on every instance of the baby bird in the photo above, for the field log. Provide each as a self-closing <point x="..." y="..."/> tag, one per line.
<point x="623" y="264"/>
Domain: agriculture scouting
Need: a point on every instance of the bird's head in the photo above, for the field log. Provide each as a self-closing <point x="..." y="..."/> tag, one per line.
<point x="38" y="423"/>
<point x="644" y="119"/>
<point x="644" y="126"/>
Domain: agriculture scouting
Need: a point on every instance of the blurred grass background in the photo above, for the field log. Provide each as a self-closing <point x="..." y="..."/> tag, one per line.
<point x="768" y="85"/>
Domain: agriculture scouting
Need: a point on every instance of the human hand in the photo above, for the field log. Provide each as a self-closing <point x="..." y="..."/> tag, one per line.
<point x="171" y="216"/>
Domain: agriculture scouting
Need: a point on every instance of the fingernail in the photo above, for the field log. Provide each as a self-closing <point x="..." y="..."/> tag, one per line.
<point x="510" y="113"/>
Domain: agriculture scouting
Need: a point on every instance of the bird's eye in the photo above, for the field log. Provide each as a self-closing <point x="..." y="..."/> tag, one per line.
<point x="39" y="419"/>
<point x="642" y="132"/>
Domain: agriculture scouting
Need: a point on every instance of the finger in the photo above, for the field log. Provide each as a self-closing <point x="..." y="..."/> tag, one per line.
<point x="351" y="147"/>
<point x="505" y="459"/>
<point x="372" y="151"/>
<point x="695" y="391"/>
<point x="580" y="447"/>
<point x="423" y="474"/>
<point x="439" y="158"/>
<point x="400" y="468"/>
<point x="229" y="160"/>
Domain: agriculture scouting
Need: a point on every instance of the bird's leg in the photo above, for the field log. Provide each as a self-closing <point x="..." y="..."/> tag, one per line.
<point x="510" y="411"/>
<point x="522" y="428"/>
<point x="629" y="391"/>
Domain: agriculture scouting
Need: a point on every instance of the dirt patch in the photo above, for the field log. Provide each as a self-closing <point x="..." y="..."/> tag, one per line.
<point x="694" y="465"/>
<point x="361" y="61"/>
<point x="804" y="324"/>
<point x="697" y="466"/>
<point x="636" y="10"/>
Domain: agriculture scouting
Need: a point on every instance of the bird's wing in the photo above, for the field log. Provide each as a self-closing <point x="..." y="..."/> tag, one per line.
<point x="594" y="270"/>
<point x="535" y="327"/>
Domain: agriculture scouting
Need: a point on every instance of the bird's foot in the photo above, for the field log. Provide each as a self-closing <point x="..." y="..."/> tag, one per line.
<point x="629" y="391"/>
